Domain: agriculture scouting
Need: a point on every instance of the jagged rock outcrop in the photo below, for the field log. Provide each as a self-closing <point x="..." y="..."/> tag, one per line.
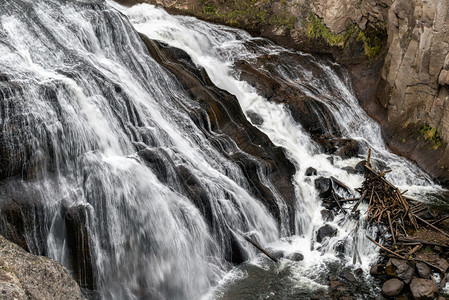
<point x="26" y="276"/>
<point x="415" y="83"/>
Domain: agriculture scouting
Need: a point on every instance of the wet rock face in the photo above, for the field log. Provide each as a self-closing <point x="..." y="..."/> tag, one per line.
<point x="23" y="222"/>
<point x="78" y="246"/>
<point x="312" y="114"/>
<point x="222" y="111"/>
<point x="26" y="276"/>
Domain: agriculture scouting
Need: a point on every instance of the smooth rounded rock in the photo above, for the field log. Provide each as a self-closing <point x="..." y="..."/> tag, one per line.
<point x="392" y="287"/>
<point x="295" y="256"/>
<point x="377" y="269"/>
<point x="423" y="289"/>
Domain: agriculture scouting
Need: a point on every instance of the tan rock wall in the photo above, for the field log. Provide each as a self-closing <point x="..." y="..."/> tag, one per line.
<point x="416" y="70"/>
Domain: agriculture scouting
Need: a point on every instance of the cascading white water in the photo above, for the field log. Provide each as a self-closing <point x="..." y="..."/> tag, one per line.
<point x="82" y="97"/>
<point x="216" y="48"/>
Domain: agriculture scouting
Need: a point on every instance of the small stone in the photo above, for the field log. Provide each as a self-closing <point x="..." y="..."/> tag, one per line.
<point x="349" y="276"/>
<point x="254" y="117"/>
<point x="423" y="289"/>
<point x="423" y="270"/>
<point x="311" y="171"/>
<point x="360" y="167"/>
<point x="334" y="283"/>
<point x="358" y="272"/>
<point x="443" y="78"/>
<point x="324" y="186"/>
<point x="327" y="215"/>
<point x="341" y="247"/>
<point x="325" y="231"/>
<point x="392" y="287"/>
<point x="443" y="264"/>
<point x="332" y="277"/>
<point x="376" y="269"/>
<point x="296" y="256"/>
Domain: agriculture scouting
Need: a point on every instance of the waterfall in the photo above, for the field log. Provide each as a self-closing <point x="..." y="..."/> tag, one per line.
<point x="125" y="178"/>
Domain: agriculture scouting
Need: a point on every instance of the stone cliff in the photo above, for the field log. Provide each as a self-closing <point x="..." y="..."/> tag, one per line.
<point x="395" y="50"/>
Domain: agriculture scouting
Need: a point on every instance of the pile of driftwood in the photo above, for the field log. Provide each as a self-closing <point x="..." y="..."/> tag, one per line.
<point x="403" y="216"/>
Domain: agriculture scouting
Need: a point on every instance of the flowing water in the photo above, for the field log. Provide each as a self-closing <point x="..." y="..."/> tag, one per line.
<point x="80" y="98"/>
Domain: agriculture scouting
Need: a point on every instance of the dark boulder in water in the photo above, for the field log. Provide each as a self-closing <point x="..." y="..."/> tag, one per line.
<point x="360" y="166"/>
<point x="255" y="118"/>
<point x="311" y="171"/>
<point x="325" y="231"/>
<point x="296" y="256"/>
<point x="324" y="186"/>
<point x="327" y="215"/>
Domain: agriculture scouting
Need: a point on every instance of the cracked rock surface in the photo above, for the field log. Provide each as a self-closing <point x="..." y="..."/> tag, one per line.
<point x="27" y="276"/>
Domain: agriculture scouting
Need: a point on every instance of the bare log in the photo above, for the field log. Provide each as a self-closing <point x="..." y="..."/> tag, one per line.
<point x="260" y="248"/>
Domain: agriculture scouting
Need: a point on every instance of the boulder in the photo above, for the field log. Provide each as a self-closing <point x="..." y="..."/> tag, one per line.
<point x="376" y="269"/>
<point x="392" y="287"/>
<point x="324" y="186"/>
<point x="327" y="215"/>
<point x="347" y="148"/>
<point x="349" y="276"/>
<point x="254" y="117"/>
<point x="341" y="247"/>
<point x="311" y="171"/>
<point x="443" y="264"/>
<point x="400" y="268"/>
<point x="423" y="270"/>
<point x="296" y="256"/>
<point x="358" y="272"/>
<point x="360" y="166"/>
<point x="325" y="231"/>
<point x="423" y="289"/>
